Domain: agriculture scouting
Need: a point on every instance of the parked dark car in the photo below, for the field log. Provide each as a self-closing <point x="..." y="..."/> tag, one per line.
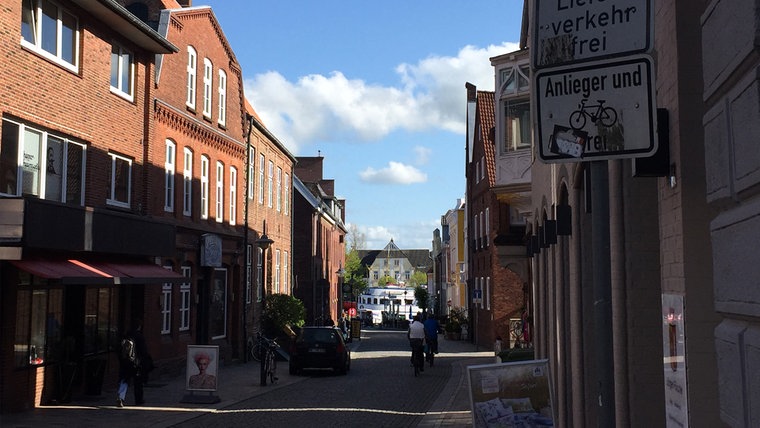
<point x="319" y="348"/>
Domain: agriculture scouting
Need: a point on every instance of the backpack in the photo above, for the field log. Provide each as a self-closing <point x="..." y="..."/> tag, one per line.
<point x="128" y="350"/>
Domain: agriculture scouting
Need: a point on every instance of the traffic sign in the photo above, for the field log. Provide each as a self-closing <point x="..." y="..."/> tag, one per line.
<point x="572" y="31"/>
<point x="595" y="111"/>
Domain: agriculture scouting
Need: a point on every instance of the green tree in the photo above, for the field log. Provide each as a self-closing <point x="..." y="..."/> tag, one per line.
<point x="283" y="310"/>
<point x="385" y="280"/>
<point x="417" y="279"/>
<point x="356" y="273"/>
<point x="423" y="296"/>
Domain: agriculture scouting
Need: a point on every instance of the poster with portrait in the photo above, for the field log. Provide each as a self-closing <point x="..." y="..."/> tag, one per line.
<point x="202" y="368"/>
<point x="511" y="395"/>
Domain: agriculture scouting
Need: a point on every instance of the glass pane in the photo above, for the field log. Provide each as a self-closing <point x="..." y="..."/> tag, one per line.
<point x="126" y="73"/>
<point x="68" y="38"/>
<point x="115" y="58"/>
<point x="91" y="321"/>
<point x="49" y="35"/>
<point x="104" y="327"/>
<point x="74" y="173"/>
<point x="54" y="170"/>
<point x="517" y="124"/>
<point x="39" y="321"/>
<point x="28" y="27"/>
<point x="524" y="78"/>
<point x="23" y="319"/>
<point x="9" y="158"/>
<point x="121" y="180"/>
<point x="31" y="164"/>
<point x="54" y="341"/>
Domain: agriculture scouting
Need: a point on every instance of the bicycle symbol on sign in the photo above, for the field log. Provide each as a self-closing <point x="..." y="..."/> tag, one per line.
<point x="606" y="116"/>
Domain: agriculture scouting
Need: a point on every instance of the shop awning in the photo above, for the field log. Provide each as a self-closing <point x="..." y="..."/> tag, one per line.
<point x="76" y="271"/>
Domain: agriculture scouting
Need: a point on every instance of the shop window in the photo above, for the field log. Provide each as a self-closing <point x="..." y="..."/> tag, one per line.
<point x="218" y="305"/>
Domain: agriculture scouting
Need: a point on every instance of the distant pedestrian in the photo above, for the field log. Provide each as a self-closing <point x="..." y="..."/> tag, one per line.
<point x="133" y="355"/>
<point x="497" y="346"/>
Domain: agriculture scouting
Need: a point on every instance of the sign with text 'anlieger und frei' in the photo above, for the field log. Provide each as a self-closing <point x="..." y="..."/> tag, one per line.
<point x="572" y="31"/>
<point x="596" y="110"/>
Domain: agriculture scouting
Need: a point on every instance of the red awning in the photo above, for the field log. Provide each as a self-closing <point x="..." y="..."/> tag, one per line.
<point x="74" y="271"/>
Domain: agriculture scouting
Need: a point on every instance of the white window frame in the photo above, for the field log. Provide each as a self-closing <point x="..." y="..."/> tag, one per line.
<point x="279" y="189"/>
<point x="115" y="159"/>
<point x="219" y="202"/>
<point x="270" y="177"/>
<point x="205" y="165"/>
<point x="261" y="178"/>
<point x="251" y="172"/>
<point x="192" y="76"/>
<point x="170" y="167"/>
<point x="36" y="27"/>
<point x="187" y="182"/>
<point x="208" y="70"/>
<point x="487" y="226"/>
<point x="222" y="88"/>
<point x="286" y="196"/>
<point x="185" y="293"/>
<point x="233" y="195"/>
<point x="166" y="307"/>
<point x="488" y="293"/>
<point x="121" y="59"/>
<point x="475" y="230"/>
<point x="277" y="271"/>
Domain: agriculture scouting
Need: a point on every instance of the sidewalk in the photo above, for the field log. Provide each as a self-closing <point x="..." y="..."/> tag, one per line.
<point x="237" y="382"/>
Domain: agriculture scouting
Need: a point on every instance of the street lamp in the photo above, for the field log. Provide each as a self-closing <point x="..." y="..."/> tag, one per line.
<point x="263" y="242"/>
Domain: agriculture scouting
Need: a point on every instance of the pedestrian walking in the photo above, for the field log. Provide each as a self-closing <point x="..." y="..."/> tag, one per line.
<point x="133" y="365"/>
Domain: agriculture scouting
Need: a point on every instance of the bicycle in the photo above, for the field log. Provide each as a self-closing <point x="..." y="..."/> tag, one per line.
<point x="432" y="349"/>
<point x="270" y="362"/>
<point x="418" y="359"/>
<point x="255" y="348"/>
<point x="607" y="116"/>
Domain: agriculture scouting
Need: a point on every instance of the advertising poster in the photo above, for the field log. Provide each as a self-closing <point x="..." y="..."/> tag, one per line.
<point x="674" y="361"/>
<point x="202" y="365"/>
<point x="511" y="395"/>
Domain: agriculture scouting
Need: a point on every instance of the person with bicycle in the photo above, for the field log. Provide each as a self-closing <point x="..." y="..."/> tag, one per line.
<point x="416" y="336"/>
<point x="431" y="336"/>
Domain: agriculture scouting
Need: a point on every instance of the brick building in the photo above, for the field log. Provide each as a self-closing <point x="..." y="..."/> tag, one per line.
<point x="319" y="219"/>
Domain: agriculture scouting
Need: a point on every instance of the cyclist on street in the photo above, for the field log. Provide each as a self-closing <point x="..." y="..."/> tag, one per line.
<point x="431" y="333"/>
<point x="416" y="335"/>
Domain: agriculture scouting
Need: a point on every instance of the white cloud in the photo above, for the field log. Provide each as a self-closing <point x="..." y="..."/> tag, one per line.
<point x="394" y="173"/>
<point x="417" y="235"/>
<point x="430" y="95"/>
<point x="423" y="155"/>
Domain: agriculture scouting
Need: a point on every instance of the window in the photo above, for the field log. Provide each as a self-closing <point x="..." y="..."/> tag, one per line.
<point x="222" y="119"/>
<point x="269" y="183"/>
<point x="169" y="168"/>
<point x="184" y="301"/>
<point x="259" y="276"/>
<point x="488" y="293"/>
<point x="487" y="226"/>
<point x="286" y="196"/>
<point x="122" y="72"/>
<point x="219" y="192"/>
<point x="277" y="271"/>
<point x="285" y="277"/>
<point x="261" y="178"/>
<point x="121" y="181"/>
<point x="166" y="307"/>
<point x="475" y="230"/>
<point x="482" y="229"/>
<point x="248" y="273"/>
<point x="516" y="124"/>
<point x="279" y="189"/>
<point x="204" y="187"/>
<point x="482" y="167"/>
<point x="233" y="195"/>
<point x="207" y="77"/>
<point x="251" y="171"/>
<point x="187" y="183"/>
<point x="192" y="71"/>
<point x="50" y="31"/>
<point x="57" y="176"/>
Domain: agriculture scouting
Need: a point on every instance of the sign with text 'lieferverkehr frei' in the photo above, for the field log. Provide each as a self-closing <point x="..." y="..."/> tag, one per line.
<point x="596" y="110"/>
<point x="573" y="31"/>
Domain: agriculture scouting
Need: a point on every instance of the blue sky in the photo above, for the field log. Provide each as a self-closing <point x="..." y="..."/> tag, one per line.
<point x="377" y="88"/>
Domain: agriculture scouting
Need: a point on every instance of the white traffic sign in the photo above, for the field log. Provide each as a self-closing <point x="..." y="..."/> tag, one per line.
<point x="595" y="111"/>
<point x="572" y="31"/>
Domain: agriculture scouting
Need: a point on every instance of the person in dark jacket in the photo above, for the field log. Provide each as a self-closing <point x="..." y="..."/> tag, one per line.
<point x="133" y="366"/>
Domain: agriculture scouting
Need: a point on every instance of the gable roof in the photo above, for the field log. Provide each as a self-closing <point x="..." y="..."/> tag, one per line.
<point x="419" y="259"/>
<point x="487" y="122"/>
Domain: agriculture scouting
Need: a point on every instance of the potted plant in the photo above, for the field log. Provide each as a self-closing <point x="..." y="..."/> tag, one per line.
<point x="453" y="327"/>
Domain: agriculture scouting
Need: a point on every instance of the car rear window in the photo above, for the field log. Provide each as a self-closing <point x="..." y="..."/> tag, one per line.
<point x="319" y="335"/>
